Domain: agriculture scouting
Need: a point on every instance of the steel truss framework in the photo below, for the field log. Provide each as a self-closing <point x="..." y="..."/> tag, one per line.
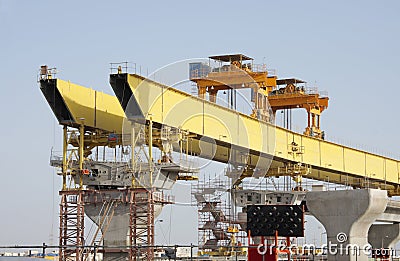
<point x="72" y="225"/>
<point x="141" y="224"/>
<point x="141" y="221"/>
<point x="218" y="228"/>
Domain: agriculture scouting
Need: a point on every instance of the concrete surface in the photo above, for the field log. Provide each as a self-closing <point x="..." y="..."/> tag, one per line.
<point x="349" y="213"/>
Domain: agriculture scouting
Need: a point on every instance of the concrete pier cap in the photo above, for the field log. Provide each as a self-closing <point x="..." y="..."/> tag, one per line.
<point x="347" y="216"/>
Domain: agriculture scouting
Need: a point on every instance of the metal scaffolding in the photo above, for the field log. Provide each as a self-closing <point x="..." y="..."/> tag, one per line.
<point x="140" y="204"/>
<point x="141" y="224"/>
<point x="218" y="229"/>
<point x="72" y="226"/>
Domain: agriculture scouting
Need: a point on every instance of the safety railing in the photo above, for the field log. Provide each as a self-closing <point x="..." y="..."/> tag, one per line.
<point x="203" y="72"/>
<point x="314" y="90"/>
<point x="122" y="67"/>
<point x="199" y="73"/>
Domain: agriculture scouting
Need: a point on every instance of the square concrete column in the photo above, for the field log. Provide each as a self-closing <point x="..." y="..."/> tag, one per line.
<point x="347" y="216"/>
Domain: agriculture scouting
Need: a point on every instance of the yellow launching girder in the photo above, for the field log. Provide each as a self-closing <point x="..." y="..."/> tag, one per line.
<point x="243" y="139"/>
<point x="238" y="138"/>
<point x="73" y="104"/>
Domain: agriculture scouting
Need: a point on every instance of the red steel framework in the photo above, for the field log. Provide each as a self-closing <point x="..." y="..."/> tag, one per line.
<point x="72" y="225"/>
<point x="141" y="224"/>
<point x="141" y="220"/>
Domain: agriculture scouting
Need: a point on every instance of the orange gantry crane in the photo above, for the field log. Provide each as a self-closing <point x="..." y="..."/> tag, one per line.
<point x="237" y="71"/>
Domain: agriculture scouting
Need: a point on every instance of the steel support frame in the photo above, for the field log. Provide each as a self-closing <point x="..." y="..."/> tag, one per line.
<point x="141" y="208"/>
<point x="72" y="216"/>
<point x="141" y="221"/>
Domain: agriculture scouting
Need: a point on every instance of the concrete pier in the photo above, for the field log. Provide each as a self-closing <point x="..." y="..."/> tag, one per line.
<point x="116" y="226"/>
<point x="116" y="235"/>
<point x="347" y="216"/>
<point x="384" y="235"/>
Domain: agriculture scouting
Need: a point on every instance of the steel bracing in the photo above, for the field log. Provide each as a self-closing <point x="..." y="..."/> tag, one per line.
<point x="141" y="224"/>
<point x="139" y="204"/>
<point x="72" y="226"/>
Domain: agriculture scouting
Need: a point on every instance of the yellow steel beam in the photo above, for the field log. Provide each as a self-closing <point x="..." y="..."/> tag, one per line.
<point x="251" y="141"/>
<point x="71" y="103"/>
<point x="248" y="139"/>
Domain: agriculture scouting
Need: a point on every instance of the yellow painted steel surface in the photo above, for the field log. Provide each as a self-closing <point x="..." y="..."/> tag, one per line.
<point x="99" y="110"/>
<point x="329" y="161"/>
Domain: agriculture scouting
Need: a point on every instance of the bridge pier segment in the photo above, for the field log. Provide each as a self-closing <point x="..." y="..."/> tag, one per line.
<point x="347" y="216"/>
<point x="384" y="235"/>
<point x="125" y="218"/>
<point x="115" y="238"/>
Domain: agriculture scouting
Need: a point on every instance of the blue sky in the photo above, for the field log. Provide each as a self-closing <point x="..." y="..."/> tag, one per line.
<point x="350" y="49"/>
